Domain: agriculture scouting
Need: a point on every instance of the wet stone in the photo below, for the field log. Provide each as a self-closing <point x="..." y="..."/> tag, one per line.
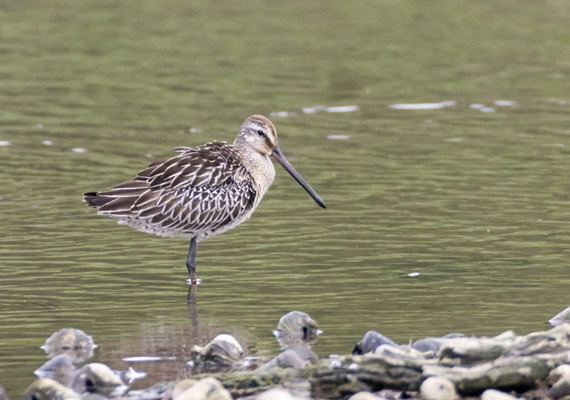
<point x="48" y="389"/>
<point x="74" y="342"/>
<point x="371" y="341"/>
<point x="205" y="389"/>
<point x="222" y="353"/>
<point x="98" y="378"/>
<point x="492" y="394"/>
<point x="438" y="388"/>
<point x="60" y="368"/>
<point x="296" y="327"/>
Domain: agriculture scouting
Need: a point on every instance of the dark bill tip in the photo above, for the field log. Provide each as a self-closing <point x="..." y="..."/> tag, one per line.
<point x="280" y="158"/>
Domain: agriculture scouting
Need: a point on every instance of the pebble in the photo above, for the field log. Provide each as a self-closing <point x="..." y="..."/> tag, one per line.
<point x="438" y="388"/>
<point x="48" y="389"/>
<point x="276" y="394"/>
<point x="205" y="389"/>
<point x="182" y="386"/>
<point x="60" y="368"/>
<point x="223" y="348"/>
<point x="492" y="394"/>
<point x="74" y="342"/>
<point x="98" y="378"/>
<point x="559" y="378"/>
<point x="365" y="396"/>
<point x="296" y="357"/>
<point x="296" y="328"/>
<point x="371" y="341"/>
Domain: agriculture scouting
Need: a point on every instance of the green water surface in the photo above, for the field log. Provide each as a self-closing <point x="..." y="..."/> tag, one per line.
<point x="476" y="202"/>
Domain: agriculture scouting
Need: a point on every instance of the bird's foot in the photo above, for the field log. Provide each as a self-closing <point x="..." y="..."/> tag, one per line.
<point x="193" y="281"/>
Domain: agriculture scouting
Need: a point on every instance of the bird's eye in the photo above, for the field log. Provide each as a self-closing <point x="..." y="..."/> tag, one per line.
<point x="260" y="133"/>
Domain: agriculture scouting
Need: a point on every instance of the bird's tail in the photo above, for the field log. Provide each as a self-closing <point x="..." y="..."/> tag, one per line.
<point x="93" y="199"/>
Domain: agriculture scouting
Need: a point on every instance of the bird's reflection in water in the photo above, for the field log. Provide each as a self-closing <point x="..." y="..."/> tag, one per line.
<point x="163" y="348"/>
<point x="192" y="305"/>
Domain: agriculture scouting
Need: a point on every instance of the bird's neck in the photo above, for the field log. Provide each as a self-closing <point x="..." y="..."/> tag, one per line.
<point x="261" y="170"/>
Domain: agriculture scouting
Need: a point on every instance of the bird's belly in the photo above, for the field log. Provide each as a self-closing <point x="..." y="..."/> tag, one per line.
<point x="144" y="225"/>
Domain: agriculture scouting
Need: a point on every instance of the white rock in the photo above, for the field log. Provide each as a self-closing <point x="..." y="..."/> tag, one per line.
<point x="206" y="389"/>
<point x="438" y="388"/>
<point x="559" y="378"/>
<point x="492" y="394"/>
<point x="276" y="394"/>
<point x="364" y="396"/>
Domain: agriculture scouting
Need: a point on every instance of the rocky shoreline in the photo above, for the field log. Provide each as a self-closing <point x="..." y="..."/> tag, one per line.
<point x="455" y="366"/>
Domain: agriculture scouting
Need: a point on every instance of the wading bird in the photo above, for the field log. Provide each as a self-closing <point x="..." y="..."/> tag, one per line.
<point x="202" y="191"/>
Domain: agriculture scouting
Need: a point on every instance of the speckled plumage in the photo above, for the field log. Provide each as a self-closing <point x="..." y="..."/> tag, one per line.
<point x="202" y="191"/>
<point x="198" y="193"/>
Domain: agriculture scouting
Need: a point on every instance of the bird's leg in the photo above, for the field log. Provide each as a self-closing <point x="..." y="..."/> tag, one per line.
<point x="191" y="262"/>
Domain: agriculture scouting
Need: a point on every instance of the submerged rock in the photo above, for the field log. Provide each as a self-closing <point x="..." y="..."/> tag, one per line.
<point x="74" y="342"/>
<point x="296" y="327"/>
<point x="99" y="379"/>
<point x="60" y="369"/>
<point x="48" y="389"/>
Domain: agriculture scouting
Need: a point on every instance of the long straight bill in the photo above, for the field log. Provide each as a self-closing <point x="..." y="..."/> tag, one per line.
<point x="280" y="158"/>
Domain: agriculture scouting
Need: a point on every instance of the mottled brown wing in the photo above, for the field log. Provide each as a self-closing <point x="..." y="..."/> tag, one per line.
<point x="208" y="165"/>
<point x="199" y="189"/>
<point x="199" y="209"/>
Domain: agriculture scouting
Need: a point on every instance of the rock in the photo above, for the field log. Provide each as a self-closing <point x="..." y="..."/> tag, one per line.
<point x="438" y="388"/>
<point x="434" y="343"/>
<point x="371" y="341"/>
<point x="93" y="396"/>
<point x="296" y="328"/>
<point x="559" y="378"/>
<point x="3" y="395"/>
<point x="561" y="317"/>
<point x="276" y="394"/>
<point x="365" y="396"/>
<point x="205" y="389"/>
<point x="99" y="379"/>
<point x="296" y="357"/>
<point x="74" y="342"/>
<point x="428" y="344"/>
<point x="182" y="386"/>
<point x="473" y="349"/>
<point x="48" y="389"/>
<point x="60" y="369"/>
<point x="223" y="351"/>
<point x="492" y="394"/>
